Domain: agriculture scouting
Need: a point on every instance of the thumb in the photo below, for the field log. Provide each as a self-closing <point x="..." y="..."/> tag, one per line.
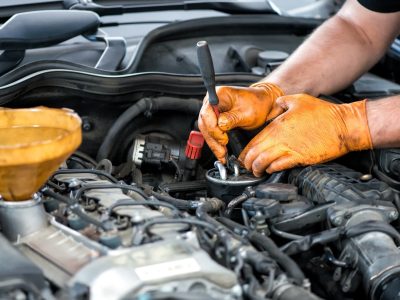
<point x="229" y="120"/>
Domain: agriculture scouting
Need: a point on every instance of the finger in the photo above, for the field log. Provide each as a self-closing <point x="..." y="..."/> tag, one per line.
<point x="264" y="159"/>
<point x="252" y="144"/>
<point x="218" y="149"/>
<point x="283" y="163"/>
<point x="208" y="123"/>
<point x="252" y="154"/>
<point x="229" y="120"/>
<point x="225" y="97"/>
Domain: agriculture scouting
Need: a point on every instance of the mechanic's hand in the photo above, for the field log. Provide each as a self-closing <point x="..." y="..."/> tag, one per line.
<point x="244" y="107"/>
<point x="310" y="131"/>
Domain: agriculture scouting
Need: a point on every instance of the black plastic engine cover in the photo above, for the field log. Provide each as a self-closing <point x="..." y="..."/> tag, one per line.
<point x="17" y="271"/>
<point x="333" y="182"/>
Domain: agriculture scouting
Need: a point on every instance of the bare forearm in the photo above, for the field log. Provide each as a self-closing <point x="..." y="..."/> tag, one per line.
<point x="337" y="53"/>
<point x="383" y="121"/>
<point x="327" y="62"/>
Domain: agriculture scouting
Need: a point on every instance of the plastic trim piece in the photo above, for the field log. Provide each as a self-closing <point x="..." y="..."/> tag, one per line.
<point x="109" y="85"/>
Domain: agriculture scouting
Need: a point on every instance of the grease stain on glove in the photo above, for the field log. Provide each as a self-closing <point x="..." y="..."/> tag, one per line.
<point x="240" y="107"/>
<point x="310" y="131"/>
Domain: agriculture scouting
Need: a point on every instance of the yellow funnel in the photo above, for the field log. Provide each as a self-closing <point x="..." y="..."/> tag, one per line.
<point x="33" y="144"/>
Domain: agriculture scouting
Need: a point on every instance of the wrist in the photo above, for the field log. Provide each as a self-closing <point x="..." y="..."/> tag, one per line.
<point x="357" y="133"/>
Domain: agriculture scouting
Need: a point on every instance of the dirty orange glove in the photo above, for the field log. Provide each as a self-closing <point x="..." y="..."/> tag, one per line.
<point x="310" y="131"/>
<point x="243" y="107"/>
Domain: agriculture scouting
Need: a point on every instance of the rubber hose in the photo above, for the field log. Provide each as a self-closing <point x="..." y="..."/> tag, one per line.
<point x="191" y="106"/>
<point x="179" y="203"/>
<point x="270" y="247"/>
<point x="235" y="144"/>
<point x="296" y="293"/>
<point x="73" y="206"/>
<point x="282" y="259"/>
<point x="234" y="203"/>
<point x="212" y="205"/>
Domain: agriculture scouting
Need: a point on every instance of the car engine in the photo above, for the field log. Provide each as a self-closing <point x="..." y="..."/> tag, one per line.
<point x="143" y="211"/>
<point x="152" y="218"/>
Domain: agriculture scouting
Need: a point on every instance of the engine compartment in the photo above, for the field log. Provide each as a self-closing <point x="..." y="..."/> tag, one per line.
<point x="137" y="214"/>
<point x="146" y="219"/>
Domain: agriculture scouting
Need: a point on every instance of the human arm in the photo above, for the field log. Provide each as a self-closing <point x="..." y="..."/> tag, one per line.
<point x="337" y="53"/>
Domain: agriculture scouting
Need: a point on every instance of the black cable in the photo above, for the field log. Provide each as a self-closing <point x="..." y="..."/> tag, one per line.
<point x="235" y="202"/>
<point x="190" y="106"/>
<point x="385" y="178"/>
<point x="396" y="201"/>
<point x="90" y="171"/>
<point x="147" y="225"/>
<point x="327" y="236"/>
<point x="214" y="205"/>
<point x="287" y="263"/>
<point x="78" y="161"/>
<point x="87" y="187"/>
<point x="179" y="203"/>
<point x="131" y="202"/>
<point x="234" y="143"/>
<point x="84" y="156"/>
<point x="268" y="245"/>
<point x="75" y="207"/>
<point x="211" y="206"/>
<point x="217" y="230"/>
<point x="233" y="226"/>
<point x="178" y="169"/>
<point x="305" y="243"/>
<point x="61" y="198"/>
<point x="284" y="234"/>
<point x="55" y="186"/>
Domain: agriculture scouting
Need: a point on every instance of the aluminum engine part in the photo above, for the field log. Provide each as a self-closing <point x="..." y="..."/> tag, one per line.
<point x="20" y="218"/>
<point x="165" y="266"/>
<point x="16" y="268"/>
<point x="107" y="197"/>
<point x="60" y="251"/>
<point x="168" y="265"/>
<point x="373" y="255"/>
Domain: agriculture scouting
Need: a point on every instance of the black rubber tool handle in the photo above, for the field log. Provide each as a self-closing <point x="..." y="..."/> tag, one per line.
<point x="207" y="71"/>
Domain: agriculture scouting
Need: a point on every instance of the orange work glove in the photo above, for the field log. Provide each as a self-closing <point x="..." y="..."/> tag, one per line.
<point x="310" y="131"/>
<point x="243" y="107"/>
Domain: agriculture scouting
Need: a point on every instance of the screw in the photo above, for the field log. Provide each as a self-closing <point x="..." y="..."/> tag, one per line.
<point x="86" y="125"/>
<point x="337" y="221"/>
<point x="365" y="177"/>
<point x="393" y="215"/>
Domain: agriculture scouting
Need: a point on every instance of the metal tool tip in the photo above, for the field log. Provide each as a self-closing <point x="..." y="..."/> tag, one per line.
<point x="201" y="43"/>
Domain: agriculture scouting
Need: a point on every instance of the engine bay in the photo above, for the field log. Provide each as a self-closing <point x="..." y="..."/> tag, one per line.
<point x="143" y="211"/>
<point x="149" y="218"/>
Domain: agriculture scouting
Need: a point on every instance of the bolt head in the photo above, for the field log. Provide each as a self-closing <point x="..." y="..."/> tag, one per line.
<point x="337" y="221"/>
<point x="393" y="215"/>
